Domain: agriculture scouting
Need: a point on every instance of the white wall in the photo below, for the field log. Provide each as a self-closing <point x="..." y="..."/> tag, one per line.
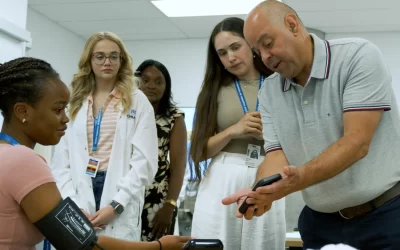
<point x="14" y="11"/>
<point x="54" y="44"/>
<point x="12" y="22"/>
<point x="12" y="25"/>
<point x="389" y="44"/>
<point x="185" y="60"/>
<point x="10" y="47"/>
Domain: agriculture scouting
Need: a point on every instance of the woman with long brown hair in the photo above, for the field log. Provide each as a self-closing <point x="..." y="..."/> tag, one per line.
<point x="228" y="129"/>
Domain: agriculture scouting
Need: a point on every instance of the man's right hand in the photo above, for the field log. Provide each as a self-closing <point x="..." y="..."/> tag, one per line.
<point x="173" y="242"/>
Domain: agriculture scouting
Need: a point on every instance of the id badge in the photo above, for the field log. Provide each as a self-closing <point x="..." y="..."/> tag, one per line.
<point x="92" y="167"/>
<point x="253" y="155"/>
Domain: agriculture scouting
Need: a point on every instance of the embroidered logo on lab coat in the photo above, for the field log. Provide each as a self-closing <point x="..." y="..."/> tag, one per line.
<point x="132" y="114"/>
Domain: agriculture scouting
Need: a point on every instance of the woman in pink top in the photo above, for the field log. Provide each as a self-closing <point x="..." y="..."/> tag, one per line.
<point x="33" y="102"/>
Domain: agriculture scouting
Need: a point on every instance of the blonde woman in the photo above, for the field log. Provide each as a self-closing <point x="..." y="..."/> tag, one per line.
<point x="109" y="153"/>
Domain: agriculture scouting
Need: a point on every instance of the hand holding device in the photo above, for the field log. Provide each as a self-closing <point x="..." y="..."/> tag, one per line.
<point x="263" y="182"/>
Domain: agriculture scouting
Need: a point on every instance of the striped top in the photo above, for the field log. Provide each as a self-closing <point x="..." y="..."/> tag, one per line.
<point x="107" y="128"/>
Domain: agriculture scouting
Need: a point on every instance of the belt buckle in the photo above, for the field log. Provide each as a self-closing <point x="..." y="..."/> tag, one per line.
<point x="344" y="217"/>
<point x="356" y="211"/>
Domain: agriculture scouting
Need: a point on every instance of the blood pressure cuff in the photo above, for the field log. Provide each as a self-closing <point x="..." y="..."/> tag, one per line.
<point x="66" y="227"/>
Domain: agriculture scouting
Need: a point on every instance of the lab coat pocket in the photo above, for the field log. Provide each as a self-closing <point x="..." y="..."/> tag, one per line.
<point x="128" y="224"/>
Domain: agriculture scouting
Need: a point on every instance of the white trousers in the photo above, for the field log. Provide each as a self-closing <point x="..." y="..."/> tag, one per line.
<point x="227" y="174"/>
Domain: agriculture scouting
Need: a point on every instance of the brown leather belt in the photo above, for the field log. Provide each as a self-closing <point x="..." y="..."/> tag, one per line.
<point x="352" y="212"/>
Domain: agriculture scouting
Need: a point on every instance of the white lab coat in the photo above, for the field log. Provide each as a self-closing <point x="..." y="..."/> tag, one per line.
<point x="133" y="165"/>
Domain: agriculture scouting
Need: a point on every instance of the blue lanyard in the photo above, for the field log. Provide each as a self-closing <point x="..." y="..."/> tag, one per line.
<point x="9" y="139"/>
<point x="96" y="130"/>
<point x="46" y="245"/>
<point x="241" y="95"/>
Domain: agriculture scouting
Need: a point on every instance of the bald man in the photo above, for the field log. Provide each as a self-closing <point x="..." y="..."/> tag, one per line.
<point x="331" y="127"/>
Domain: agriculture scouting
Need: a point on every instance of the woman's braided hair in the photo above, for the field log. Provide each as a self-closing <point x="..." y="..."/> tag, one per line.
<point x="22" y="80"/>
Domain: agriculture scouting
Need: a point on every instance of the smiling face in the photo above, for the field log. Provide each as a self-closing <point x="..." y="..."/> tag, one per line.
<point x="277" y="42"/>
<point x="47" y="118"/>
<point x="234" y="53"/>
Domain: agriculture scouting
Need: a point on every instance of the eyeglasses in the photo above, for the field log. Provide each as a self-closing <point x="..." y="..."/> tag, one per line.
<point x="100" y="58"/>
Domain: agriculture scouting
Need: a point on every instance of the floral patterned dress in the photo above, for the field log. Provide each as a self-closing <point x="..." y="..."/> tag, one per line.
<point x="156" y="193"/>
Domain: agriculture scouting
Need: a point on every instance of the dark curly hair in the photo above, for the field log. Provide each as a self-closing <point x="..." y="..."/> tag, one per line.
<point x="21" y="80"/>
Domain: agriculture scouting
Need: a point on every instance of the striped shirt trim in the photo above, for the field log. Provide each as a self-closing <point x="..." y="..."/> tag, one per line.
<point x="272" y="148"/>
<point x="286" y="85"/>
<point x="328" y="59"/>
<point x="368" y="108"/>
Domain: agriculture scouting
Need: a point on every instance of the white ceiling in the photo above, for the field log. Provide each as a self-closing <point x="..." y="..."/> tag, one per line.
<point x="141" y="20"/>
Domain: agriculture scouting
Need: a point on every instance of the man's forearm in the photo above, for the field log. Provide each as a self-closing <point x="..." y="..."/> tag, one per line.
<point x="335" y="159"/>
<point x="272" y="164"/>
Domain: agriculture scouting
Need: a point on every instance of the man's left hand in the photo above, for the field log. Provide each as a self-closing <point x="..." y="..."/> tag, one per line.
<point x="239" y="198"/>
<point x="261" y="199"/>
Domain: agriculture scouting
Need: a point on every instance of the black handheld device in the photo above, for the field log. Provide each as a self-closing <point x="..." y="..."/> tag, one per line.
<point x="203" y="244"/>
<point x="263" y="182"/>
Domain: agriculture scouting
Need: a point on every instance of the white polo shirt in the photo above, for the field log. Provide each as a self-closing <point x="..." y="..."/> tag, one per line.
<point x="347" y="75"/>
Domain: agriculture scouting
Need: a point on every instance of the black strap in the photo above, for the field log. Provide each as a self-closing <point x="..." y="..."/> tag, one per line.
<point x="159" y="242"/>
<point x="97" y="245"/>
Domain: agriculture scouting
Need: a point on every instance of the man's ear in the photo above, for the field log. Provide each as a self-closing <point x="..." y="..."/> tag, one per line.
<point x="292" y="23"/>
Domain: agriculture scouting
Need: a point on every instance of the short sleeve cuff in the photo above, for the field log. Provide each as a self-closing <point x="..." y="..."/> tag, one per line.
<point x="367" y="107"/>
<point x="270" y="148"/>
<point x="32" y="186"/>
